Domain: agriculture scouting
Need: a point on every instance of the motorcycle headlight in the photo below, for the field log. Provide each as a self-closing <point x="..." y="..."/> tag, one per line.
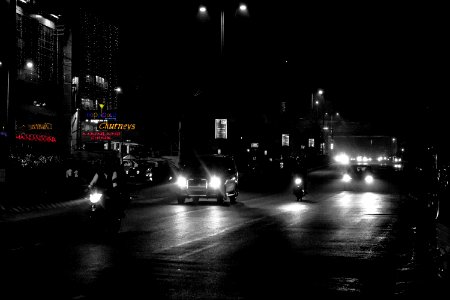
<point x="95" y="197"/>
<point x="346" y="178"/>
<point x="215" y="182"/>
<point x="182" y="182"/>
<point x="297" y="181"/>
<point x="369" y="179"/>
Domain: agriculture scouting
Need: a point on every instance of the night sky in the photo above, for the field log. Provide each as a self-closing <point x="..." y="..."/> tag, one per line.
<point x="377" y="62"/>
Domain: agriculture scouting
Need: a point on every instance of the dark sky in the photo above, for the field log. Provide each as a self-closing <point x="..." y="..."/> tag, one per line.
<point x="376" y="61"/>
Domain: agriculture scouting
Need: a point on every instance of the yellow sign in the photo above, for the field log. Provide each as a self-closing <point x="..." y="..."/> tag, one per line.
<point x="116" y="126"/>
<point x="40" y="126"/>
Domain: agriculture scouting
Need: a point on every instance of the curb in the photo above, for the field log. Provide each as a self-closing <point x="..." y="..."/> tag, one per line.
<point x="6" y="212"/>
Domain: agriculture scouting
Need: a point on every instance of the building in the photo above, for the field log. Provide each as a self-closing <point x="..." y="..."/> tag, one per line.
<point x="95" y="89"/>
<point x="36" y="105"/>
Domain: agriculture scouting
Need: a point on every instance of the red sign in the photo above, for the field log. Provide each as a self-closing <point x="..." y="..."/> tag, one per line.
<point x="35" y="138"/>
<point x="100" y="135"/>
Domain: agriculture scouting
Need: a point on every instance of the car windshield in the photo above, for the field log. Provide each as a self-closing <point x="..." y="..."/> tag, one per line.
<point x="209" y="162"/>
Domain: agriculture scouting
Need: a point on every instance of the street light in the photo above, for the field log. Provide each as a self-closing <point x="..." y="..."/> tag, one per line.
<point x="203" y="15"/>
<point x="29" y="65"/>
<point x="314" y="99"/>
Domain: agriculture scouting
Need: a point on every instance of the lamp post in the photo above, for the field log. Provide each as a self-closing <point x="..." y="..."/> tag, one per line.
<point x="315" y="101"/>
<point x="118" y="91"/>
<point x="203" y="14"/>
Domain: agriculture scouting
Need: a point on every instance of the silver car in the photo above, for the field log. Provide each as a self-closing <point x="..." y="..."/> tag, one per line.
<point x="208" y="176"/>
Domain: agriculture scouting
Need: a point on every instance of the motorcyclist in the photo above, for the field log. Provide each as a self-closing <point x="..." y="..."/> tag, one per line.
<point x="300" y="169"/>
<point x="107" y="178"/>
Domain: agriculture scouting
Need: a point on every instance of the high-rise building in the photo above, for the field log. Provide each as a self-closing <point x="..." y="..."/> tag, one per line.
<point x="95" y="61"/>
<point x="37" y="97"/>
<point x="66" y="67"/>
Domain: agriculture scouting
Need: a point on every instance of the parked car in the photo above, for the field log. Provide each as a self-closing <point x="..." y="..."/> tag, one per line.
<point x="208" y="176"/>
<point x="138" y="170"/>
<point x="164" y="171"/>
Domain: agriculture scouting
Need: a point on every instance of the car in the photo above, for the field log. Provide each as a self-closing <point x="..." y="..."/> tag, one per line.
<point x="164" y="171"/>
<point x="138" y="170"/>
<point x="358" y="174"/>
<point x="208" y="176"/>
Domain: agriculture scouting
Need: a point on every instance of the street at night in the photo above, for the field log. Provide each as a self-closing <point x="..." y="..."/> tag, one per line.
<point x="335" y="242"/>
<point x="222" y="149"/>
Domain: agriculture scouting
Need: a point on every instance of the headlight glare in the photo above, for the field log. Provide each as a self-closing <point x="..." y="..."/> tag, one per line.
<point x="215" y="182"/>
<point x="182" y="182"/>
<point x="369" y="179"/>
<point x="95" y="197"/>
<point x="346" y="178"/>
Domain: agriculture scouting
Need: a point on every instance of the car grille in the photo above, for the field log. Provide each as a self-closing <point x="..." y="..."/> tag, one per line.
<point x="197" y="183"/>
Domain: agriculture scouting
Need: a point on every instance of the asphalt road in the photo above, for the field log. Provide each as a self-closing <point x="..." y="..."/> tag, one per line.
<point x="352" y="242"/>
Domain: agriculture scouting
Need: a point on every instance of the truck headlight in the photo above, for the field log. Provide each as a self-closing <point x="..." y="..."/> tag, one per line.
<point x="215" y="182"/>
<point x="182" y="182"/>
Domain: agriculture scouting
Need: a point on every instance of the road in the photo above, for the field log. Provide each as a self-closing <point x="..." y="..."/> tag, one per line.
<point x="335" y="243"/>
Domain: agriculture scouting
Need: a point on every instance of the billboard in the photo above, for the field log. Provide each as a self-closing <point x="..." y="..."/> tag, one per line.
<point x="221" y="128"/>
<point x="285" y="139"/>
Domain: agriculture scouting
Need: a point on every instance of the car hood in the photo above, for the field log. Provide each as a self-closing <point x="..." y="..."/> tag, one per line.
<point x="201" y="173"/>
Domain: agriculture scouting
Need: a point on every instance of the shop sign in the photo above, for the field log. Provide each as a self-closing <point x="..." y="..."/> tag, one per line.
<point x="100" y="135"/>
<point x="40" y="126"/>
<point x="35" y="138"/>
<point x="95" y="115"/>
<point x="116" y="126"/>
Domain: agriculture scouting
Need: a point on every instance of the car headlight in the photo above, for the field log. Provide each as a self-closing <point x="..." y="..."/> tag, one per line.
<point x="298" y="181"/>
<point x="346" y="178"/>
<point x="215" y="182"/>
<point x="95" y="197"/>
<point x="368" y="179"/>
<point x="182" y="182"/>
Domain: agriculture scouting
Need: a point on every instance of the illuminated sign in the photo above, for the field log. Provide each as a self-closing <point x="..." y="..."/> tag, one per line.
<point x="254" y="145"/>
<point x="40" y="126"/>
<point x="221" y="129"/>
<point x="115" y="126"/>
<point x="35" y="138"/>
<point x="100" y="135"/>
<point x="285" y="140"/>
<point x="95" y="115"/>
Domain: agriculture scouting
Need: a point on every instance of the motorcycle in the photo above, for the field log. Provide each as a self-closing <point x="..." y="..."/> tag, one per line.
<point x="299" y="188"/>
<point x="105" y="212"/>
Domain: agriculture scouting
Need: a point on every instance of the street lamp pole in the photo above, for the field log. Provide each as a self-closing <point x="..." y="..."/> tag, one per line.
<point x="222" y="31"/>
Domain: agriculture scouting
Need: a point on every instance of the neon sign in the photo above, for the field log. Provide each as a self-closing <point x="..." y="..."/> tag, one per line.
<point x="40" y="126"/>
<point x="94" y="115"/>
<point x="100" y="135"/>
<point x="116" y="126"/>
<point x="36" y="138"/>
